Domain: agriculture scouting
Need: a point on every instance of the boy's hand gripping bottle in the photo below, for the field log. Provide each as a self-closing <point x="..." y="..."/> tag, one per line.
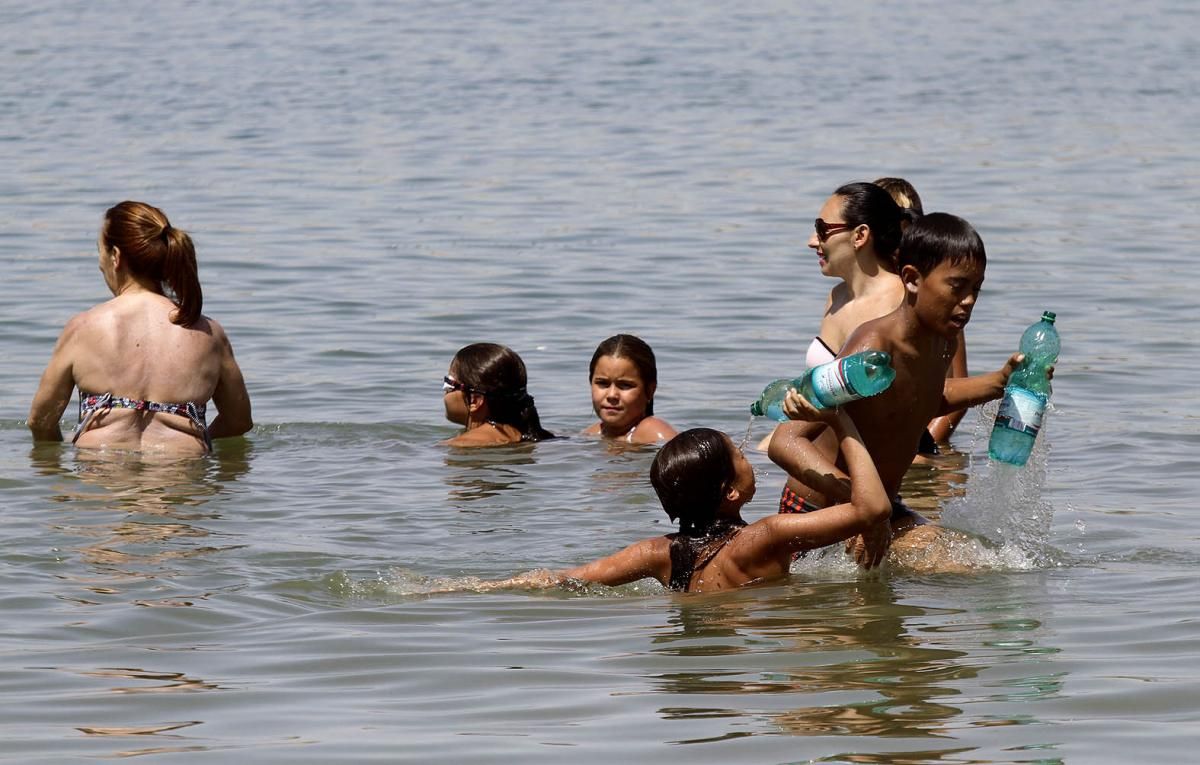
<point x="1026" y="395"/>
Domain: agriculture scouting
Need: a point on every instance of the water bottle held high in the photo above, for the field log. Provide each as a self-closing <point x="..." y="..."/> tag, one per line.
<point x="830" y="385"/>
<point x="1025" y="397"/>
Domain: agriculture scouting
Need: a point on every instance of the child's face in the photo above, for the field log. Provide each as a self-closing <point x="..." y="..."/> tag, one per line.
<point x="946" y="296"/>
<point x="618" y="395"/>
<point x="455" y="399"/>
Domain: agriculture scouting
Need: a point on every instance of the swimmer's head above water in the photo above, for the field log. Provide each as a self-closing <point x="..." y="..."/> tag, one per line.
<point x="701" y="478"/>
<point x="485" y="386"/>
<point x="623" y="376"/>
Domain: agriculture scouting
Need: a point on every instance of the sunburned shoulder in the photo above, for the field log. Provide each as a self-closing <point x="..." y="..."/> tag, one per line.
<point x="82" y="325"/>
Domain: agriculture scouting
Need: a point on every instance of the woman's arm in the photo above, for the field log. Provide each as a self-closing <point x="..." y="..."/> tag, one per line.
<point x="55" y="388"/>
<point x="230" y="396"/>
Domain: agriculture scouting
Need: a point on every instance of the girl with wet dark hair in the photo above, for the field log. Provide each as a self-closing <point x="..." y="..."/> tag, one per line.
<point x="484" y="391"/>
<point x="703" y="481"/>
<point x="624" y="379"/>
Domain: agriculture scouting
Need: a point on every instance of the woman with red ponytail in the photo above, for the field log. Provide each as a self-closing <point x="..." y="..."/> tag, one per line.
<point x="147" y="362"/>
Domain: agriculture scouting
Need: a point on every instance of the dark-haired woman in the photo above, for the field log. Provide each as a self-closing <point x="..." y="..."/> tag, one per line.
<point x="146" y="362"/>
<point x="703" y="481"/>
<point x="484" y="391"/>
<point x="855" y="238"/>
<point x="624" y="378"/>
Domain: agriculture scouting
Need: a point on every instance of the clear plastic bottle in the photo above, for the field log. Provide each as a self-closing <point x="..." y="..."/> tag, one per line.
<point x="828" y="385"/>
<point x="1026" y="395"/>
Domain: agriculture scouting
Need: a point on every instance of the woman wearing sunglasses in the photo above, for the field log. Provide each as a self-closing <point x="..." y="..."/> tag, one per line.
<point x="855" y="239"/>
<point x="484" y="391"/>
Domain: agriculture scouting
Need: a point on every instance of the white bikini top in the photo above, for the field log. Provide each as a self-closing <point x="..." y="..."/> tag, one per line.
<point x="818" y="353"/>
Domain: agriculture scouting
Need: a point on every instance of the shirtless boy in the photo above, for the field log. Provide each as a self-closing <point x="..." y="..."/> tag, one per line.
<point x="941" y="264"/>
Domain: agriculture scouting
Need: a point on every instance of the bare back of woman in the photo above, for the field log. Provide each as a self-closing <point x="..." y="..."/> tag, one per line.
<point x="145" y="365"/>
<point x="129" y="348"/>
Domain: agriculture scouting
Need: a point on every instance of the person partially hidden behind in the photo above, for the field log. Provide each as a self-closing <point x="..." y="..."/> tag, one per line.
<point x="146" y="362"/>
<point x="703" y="481"/>
<point x="941" y="265"/>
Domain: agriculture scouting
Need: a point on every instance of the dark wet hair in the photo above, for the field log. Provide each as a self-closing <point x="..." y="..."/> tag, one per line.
<point x="153" y="249"/>
<point x="690" y="474"/>
<point x="940" y="238"/>
<point x="903" y="194"/>
<point x="636" y="350"/>
<point x="869" y="205"/>
<point x="498" y="374"/>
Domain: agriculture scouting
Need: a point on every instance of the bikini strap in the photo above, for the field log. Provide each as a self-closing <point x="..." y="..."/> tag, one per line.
<point x="93" y="404"/>
<point x="197" y="417"/>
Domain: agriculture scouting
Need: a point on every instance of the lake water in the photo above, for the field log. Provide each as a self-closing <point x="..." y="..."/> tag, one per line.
<point x="373" y="185"/>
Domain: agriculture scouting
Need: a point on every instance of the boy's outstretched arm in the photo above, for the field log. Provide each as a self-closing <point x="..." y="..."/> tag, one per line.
<point x="963" y="392"/>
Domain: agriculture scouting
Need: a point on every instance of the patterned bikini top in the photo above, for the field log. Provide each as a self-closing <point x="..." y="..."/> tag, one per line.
<point x="91" y="403"/>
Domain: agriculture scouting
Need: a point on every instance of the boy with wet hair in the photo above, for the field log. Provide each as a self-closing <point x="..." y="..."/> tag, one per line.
<point x="941" y="265"/>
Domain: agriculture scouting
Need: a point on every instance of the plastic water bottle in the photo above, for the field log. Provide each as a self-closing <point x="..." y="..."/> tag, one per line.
<point x="1026" y="395"/>
<point x="829" y="385"/>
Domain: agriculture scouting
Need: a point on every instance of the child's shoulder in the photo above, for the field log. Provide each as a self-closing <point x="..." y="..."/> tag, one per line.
<point x="652" y="430"/>
<point x="877" y="334"/>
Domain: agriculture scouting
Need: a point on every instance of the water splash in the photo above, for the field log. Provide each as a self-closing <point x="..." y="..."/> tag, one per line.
<point x="1002" y="503"/>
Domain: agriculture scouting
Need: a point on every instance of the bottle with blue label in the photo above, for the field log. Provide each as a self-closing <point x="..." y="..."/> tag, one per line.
<point x="1026" y="395"/>
<point x="830" y="385"/>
